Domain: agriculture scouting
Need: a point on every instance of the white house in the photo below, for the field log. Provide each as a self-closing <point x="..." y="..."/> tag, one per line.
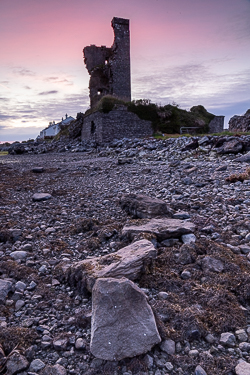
<point x="54" y="128"/>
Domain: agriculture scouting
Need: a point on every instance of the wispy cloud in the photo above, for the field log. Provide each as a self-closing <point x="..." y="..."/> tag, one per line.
<point x="48" y="92"/>
<point x="21" y="71"/>
<point x="58" y="80"/>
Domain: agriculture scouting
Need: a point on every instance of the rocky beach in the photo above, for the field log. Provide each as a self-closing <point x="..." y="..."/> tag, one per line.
<point x="162" y="226"/>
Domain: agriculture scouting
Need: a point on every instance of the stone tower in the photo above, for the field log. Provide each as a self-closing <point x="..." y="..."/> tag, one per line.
<point x="109" y="67"/>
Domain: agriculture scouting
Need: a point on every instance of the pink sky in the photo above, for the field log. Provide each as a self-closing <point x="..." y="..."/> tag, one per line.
<point x="187" y="51"/>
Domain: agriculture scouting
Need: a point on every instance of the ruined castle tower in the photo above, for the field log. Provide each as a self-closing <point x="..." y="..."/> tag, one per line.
<point x="109" y="68"/>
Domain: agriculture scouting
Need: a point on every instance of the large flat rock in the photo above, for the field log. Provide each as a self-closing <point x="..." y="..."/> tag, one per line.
<point x="123" y="324"/>
<point x="162" y="228"/>
<point x="142" y="206"/>
<point x="128" y="262"/>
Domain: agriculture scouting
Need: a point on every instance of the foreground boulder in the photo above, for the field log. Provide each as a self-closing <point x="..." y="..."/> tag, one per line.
<point x="162" y="228"/>
<point x="142" y="206"/>
<point x="233" y="146"/>
<point x="123" y="324"/>
<point x="129" y="262"/>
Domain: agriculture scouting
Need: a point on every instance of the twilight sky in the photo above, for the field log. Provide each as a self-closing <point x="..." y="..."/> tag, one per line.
<point x="185" y="51"/>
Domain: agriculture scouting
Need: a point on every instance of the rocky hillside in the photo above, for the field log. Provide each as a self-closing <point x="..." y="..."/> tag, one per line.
<point x="131" y="258"/>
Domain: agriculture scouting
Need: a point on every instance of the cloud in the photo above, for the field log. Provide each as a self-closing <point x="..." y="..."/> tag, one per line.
<point x="27" y="87"/>
<point x="4" y="99"/>
<point x="58" y="79"/>
<point x="23" y="71"/>
<point x="48" y="92"/>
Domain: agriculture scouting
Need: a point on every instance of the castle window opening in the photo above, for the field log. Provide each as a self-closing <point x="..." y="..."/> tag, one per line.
<point x="93" y="127"/>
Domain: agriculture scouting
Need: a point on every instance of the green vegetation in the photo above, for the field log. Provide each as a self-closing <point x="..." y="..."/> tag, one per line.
<point x="3" y="153"/>
<point x="165" y="119"/>
<point x="62" y="133"/>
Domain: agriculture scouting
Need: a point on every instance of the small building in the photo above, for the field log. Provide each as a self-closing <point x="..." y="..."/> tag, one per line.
<point x="54" y="128"/>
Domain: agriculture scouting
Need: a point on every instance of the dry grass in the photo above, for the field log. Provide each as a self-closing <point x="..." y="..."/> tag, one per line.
<point x="239" y="177"/>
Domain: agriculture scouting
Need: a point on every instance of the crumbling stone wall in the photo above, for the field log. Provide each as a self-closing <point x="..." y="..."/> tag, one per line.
<point x="109" y="68"/>
<point x="117" y="124"/>
<point x="240" y="123"/>
<point x="217" y="124"/>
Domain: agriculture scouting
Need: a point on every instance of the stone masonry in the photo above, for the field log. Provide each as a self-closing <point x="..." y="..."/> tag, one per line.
<point x="109" y="67"/>
<point x="117" y="124"/>
<point x="217" y="124"/>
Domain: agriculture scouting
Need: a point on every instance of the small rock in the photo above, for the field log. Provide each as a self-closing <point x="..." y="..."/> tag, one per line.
<point x="37" y="169"/>
<point x="16" y="363"/>
<point x="60" y="344"/>
<point x="243" y="368"/>
<point x="41" y="197"/>
<point x="228" y="339"/>
<point x="186" y="275"/>
<point x="20" y="286"/>
<point x="212" y="264"/>
<point x="168" y="346"/>
<point x="19" y="255"/>
<point x="199" y="371"/>
<point x="36" y="365"/>
<point x="163" y="295"/>
<point x="19" y="304"/>
<point x="241" y="335"/>
<point x="188" y="238"/>
<point x="80" y="344"/>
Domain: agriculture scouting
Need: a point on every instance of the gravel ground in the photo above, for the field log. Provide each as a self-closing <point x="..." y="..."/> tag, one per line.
<point x="47" y="321"/>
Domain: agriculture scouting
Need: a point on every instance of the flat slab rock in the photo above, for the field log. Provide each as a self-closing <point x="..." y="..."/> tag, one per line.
<point x="123" y="324"/>
<point x="142" y="206"/>
<point x="162" y="228"/>
<point x="37" y="197"/>
<point x="128" y="262"/>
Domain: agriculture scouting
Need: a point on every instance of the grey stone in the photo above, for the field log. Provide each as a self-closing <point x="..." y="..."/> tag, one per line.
<point x="128" y="262"/>
<point x="163" y="295"/>
<point x="243" y="368"/>
<point x="142" y="206"/>
<point x="37" y="197"/>
<point x="228" y="339"/>
<point x="16" y="363"/>
<point x="168" y="346"/>
<point x="20" y="286"/>
<point x="27" y="247"/>
<point x="181" y="215"/>
<point x="161" y="228"/>
<point x="123" y="324"/>
<point x="170" y="242"/>
<point x="210" y="338"/>
<point x="80" y="343"/>
<point x="243" y="159"/>
<point x="212" y="264"/>
<point x="61" y="343"/>
<point x="5" y="288"/>
<point x="53" y="370"/>
<point x="241" y="335"/>
<point x="233" y="146"/>
<point x="19" y="304"/>
<point x="186" y="275"/>
<point x="18" y="255"/>
<point x="244" y="249"/>
<point x="188" y="238"/>
<point x="244" y="346"/>
<point x="36" y="365"/>
<point x="199" y="371"/>
<point x="38" y="169"/>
